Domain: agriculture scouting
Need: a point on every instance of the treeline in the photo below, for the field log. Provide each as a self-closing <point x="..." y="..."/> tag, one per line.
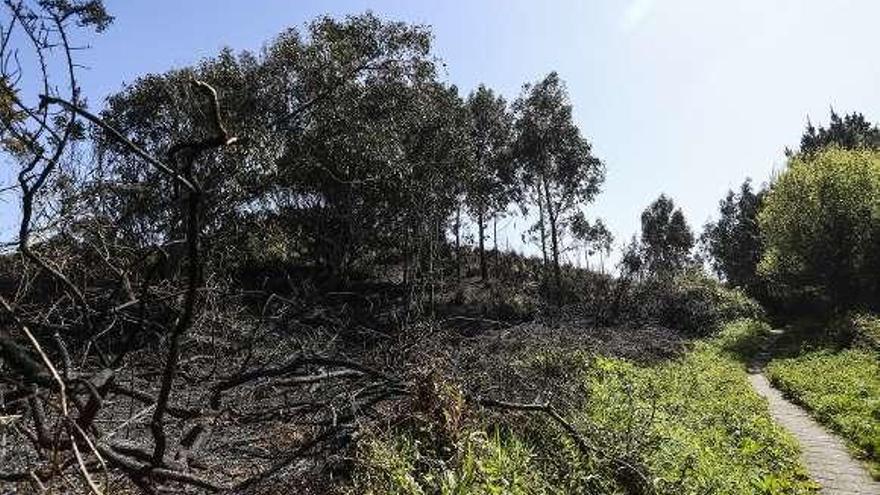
<point x="809" y="241"/>
<point x="356" y="155"/>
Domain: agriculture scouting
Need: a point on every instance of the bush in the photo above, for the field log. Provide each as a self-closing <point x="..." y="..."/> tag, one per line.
<point x="743" y="339"/>
<point x="821" y="226"/>
<point x="866" y="330"/>
<point x="695" y="304"/>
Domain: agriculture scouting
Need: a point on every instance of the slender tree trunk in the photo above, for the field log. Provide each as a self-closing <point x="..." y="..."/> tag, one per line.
<point x="541" y="224"/>
<point x="554" y="240"/>
<point x="406" y="257"/>
<point x="458" y="243"/>
<point x="431" y="253"/>
<point x="495" y="240"/>
<point x="481" y="222"/>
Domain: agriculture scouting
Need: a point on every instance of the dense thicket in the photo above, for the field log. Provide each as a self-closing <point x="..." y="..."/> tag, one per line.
<point x="806" y="241"/>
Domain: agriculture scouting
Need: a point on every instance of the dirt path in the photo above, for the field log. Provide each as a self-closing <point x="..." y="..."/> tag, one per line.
<point x="823" y="453"/>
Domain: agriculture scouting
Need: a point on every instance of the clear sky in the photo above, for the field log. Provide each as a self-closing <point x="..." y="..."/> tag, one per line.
<point x="686" y="97"/>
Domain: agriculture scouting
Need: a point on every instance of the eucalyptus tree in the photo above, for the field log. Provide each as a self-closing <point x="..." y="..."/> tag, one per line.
<point x="733" y="242"/>
<point x="559" y="168"/>
<point x="667" y="239"/>
<point x="492" y="183"/>
<point x="325" y="113"/>
<point x="594" y="237"/>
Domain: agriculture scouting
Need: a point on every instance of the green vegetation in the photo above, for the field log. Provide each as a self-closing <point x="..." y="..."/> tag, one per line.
<point x="821" y="225"/>
<point x="839" y="384"/>
<point x="490" y="464"/>
<point x="711" y="433"/>
<point x="667" y="239"/>
<point x="691" y="425"/>
<point x="743" y="338"/>
<point x="733" y="242"/>
<point x="301" y="215"/>
<point x="694" y="303"/>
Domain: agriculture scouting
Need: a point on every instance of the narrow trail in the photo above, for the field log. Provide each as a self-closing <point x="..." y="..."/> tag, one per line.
<point x="824" y="454"/>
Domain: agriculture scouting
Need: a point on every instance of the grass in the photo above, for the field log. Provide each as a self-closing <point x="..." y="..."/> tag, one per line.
<point x="489" y="464"/>
<point x="691" y="425"/>
<point x="841" y="388"/>
<point x="700" y="426"/>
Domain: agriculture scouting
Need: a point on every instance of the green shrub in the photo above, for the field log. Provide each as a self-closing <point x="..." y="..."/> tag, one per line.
<point x="821" y="227"/>
<point x="866" y="331"/>
<point x="743" y="339"/>
<point x="696" y="304"/>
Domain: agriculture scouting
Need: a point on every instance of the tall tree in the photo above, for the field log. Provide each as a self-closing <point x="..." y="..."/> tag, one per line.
<point x="333" y="116"/>
<point x="492" y="182"/>
<point x="733" y="242"/>
<point x="594" y="237"/>
<point x="850" y="132"/>
<point x="558" y="164"/>
<point x="666" y="237"/>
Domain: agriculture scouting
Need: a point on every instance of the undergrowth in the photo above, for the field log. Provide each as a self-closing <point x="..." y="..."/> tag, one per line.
<point x="702" y="428"/>
<point x="685" y="426"/>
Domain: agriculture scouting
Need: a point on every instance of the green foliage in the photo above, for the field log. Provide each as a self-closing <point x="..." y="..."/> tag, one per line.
<point x="867" y="331"/>
<point x="692" y="425"/>
<point x="491" y="181"/>
<point x="850" y="132"/>
<point x="733" y="242"/>
<point x="841" y="388"/>
<point x="666" y="237"/>
<point x="559" y="169"/>
<point x="489" y="464"/>
<point x="350" y="141"/>
<point x="695" y="304"/>
<point x="699" y="425"/>
<point x="821" y="225"/>
<point x="743" y="338"/>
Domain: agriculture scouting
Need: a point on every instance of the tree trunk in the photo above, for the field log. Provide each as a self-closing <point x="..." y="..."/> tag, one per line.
<point x="431" y="253"/>
<point x="406" y="257"/>
<point x="458" y="243"/>
<point x="495" y="240"/>
<point x="481" y="222"/>
<point x="554" y="240"/>
<point x="541" y="224"/>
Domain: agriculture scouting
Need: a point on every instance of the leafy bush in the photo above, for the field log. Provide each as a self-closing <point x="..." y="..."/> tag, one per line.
<point x="867" y="331"/>
<point x="743" y="339"/>
<point x="821" y="226"/>
<point x="842" y="390"/>
<point x="695" y="304"/>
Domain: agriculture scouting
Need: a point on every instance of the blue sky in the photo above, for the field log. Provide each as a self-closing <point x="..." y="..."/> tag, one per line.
<point x="686" y="97"/>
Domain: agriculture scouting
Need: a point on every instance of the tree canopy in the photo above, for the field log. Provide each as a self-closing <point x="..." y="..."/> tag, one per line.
<point x="851" y="132"/>
<point x="559" y="169"/>
<point x="666" y="239"/>
<point x="733" y="242"/>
